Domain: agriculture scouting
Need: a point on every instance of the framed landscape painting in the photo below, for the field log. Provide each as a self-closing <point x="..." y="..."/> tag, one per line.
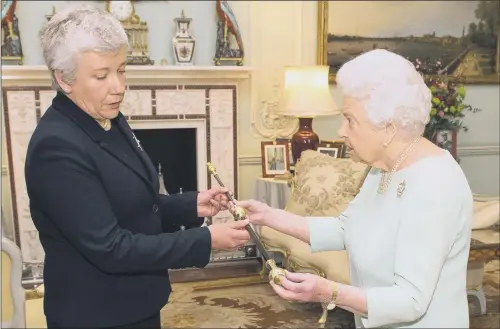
<point x="448" y="37"/>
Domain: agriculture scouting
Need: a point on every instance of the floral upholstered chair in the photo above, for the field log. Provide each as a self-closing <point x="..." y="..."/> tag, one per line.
<point x="21" y="308"/>
<point x="322" y="186"/>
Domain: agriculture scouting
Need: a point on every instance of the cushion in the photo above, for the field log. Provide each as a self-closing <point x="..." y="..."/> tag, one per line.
<point x="334" y="264"/>
<point x="486" y="213"/>
<point x="324" y="185"/>
<point x="275" y="239"/>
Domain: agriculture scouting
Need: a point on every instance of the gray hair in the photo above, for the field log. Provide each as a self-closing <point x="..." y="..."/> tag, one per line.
<point x="390" y="88"/>
<point x="74" y="30"/>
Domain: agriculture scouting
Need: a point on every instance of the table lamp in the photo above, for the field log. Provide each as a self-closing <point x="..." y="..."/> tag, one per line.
<point x="306" y="95"/>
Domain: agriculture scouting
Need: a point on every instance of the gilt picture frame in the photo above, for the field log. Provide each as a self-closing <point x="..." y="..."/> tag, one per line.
<point x="334" y="149"/>
<point x="275" y="158"/>
<point x="289" y="141"/>
<point x="344" y="33"/>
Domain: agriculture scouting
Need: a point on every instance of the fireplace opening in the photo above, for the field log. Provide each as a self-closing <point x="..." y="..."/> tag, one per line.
<point x="175" y="150"/>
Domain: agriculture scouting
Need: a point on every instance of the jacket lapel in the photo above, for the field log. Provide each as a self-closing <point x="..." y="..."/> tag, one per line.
<point x="92" y="128"/>
<point x="137" y="147"/>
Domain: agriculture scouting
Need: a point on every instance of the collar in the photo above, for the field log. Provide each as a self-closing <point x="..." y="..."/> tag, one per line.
<point x="67" y="107"/>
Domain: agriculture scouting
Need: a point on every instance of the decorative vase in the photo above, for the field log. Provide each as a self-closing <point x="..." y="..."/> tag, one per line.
<point x="183" y="43"/>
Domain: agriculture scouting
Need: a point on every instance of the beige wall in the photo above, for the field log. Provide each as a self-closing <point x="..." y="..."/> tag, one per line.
<point x="275" y="33"/>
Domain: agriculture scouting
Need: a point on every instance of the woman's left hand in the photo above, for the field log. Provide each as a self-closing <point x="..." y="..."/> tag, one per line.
<point x="212" y="201"/>
<point x="304" y="287"/>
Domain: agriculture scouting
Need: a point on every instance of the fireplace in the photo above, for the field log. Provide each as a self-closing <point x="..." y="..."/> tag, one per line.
<point x="174" y="154"/>
<point x="184" y="114"/>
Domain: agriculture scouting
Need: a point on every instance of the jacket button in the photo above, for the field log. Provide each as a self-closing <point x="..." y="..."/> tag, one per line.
<point x="155" y="208"/>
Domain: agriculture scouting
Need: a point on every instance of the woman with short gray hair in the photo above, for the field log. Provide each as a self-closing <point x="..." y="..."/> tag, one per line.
<point x="407" y="232"/>
<point x="109" y="237"/>
<point x="74" y="31"/>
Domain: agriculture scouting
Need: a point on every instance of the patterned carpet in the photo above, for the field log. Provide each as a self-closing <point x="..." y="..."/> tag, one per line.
<point x="251" y="303"/>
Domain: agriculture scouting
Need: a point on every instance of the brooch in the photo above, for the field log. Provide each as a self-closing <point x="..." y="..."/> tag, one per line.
<point x="401" y="188"/>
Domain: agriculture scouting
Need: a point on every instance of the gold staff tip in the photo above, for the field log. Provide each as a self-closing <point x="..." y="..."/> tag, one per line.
<point x="276" y="272"/>
<point x="239" y="213"/>
<point x="211" y="168"/>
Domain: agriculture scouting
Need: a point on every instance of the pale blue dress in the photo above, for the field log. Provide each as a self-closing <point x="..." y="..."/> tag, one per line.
<point x="408" y="253"/>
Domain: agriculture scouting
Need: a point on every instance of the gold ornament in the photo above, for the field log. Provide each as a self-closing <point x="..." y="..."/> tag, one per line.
<point x="275" y="273"/>
<point x="239" y="213"/>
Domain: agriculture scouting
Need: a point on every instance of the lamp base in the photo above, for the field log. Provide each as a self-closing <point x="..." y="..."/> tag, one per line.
<point x="304" y="139"/>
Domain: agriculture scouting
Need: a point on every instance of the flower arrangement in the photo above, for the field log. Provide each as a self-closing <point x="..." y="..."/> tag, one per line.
<point x="448" y="94"/>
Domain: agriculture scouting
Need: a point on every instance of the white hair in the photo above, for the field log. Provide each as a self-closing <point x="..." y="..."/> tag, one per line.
<point x="74" y="30"/>
<point x="390" y="88"/>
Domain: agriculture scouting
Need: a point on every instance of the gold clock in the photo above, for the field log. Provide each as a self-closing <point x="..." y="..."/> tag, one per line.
<point x="136" y="30"/>
<point x="124" y="11"/>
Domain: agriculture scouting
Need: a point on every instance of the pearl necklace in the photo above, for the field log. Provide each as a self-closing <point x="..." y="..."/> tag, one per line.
<point x="386" y="178"/>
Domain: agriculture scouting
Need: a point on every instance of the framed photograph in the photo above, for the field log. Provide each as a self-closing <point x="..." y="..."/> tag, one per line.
<point x="287" y="140"/>
<point x="447" y="139"/>
<point x="334" y="149"/>
<point x="275" y="158"/>
<point x="462" y="39"/>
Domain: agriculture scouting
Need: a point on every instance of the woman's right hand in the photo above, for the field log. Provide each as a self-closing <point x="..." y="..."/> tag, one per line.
<point x="228" y="236"/>
<point x="257" y="212"/>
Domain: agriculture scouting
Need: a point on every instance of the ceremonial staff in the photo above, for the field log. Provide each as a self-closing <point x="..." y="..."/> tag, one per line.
<point x="240" y="213"/>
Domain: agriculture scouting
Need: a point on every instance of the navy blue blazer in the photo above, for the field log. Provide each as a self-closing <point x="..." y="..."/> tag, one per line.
<point x="109" y="236"/>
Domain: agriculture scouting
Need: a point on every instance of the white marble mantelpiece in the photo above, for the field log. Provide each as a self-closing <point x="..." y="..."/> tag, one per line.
<point x="19" y="75"/>
<point x="157" y="97"/>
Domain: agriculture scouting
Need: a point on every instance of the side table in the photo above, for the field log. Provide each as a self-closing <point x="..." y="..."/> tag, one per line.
<point x="273" y="192"/>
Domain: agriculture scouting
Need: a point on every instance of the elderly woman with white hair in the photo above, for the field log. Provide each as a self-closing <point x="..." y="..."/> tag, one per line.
<point x="407" y="232"/>
<point x="109" y="237"/>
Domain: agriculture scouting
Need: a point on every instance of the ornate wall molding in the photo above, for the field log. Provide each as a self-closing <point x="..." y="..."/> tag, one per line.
<point x="275" y="51"/>
<point x="482" y="150"/>
<point x="268" y="124"/>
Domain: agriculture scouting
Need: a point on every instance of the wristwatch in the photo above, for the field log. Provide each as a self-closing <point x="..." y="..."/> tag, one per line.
<point x="330" y="305"/>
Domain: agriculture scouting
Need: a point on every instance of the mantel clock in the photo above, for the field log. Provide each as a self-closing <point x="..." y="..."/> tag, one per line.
<point x="136" y="30"/>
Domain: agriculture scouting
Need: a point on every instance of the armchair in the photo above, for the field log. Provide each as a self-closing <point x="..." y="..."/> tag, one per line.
<point x="21" y="308"/>
<point x="322" y="186"/>
<point x="13" y="298"/>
